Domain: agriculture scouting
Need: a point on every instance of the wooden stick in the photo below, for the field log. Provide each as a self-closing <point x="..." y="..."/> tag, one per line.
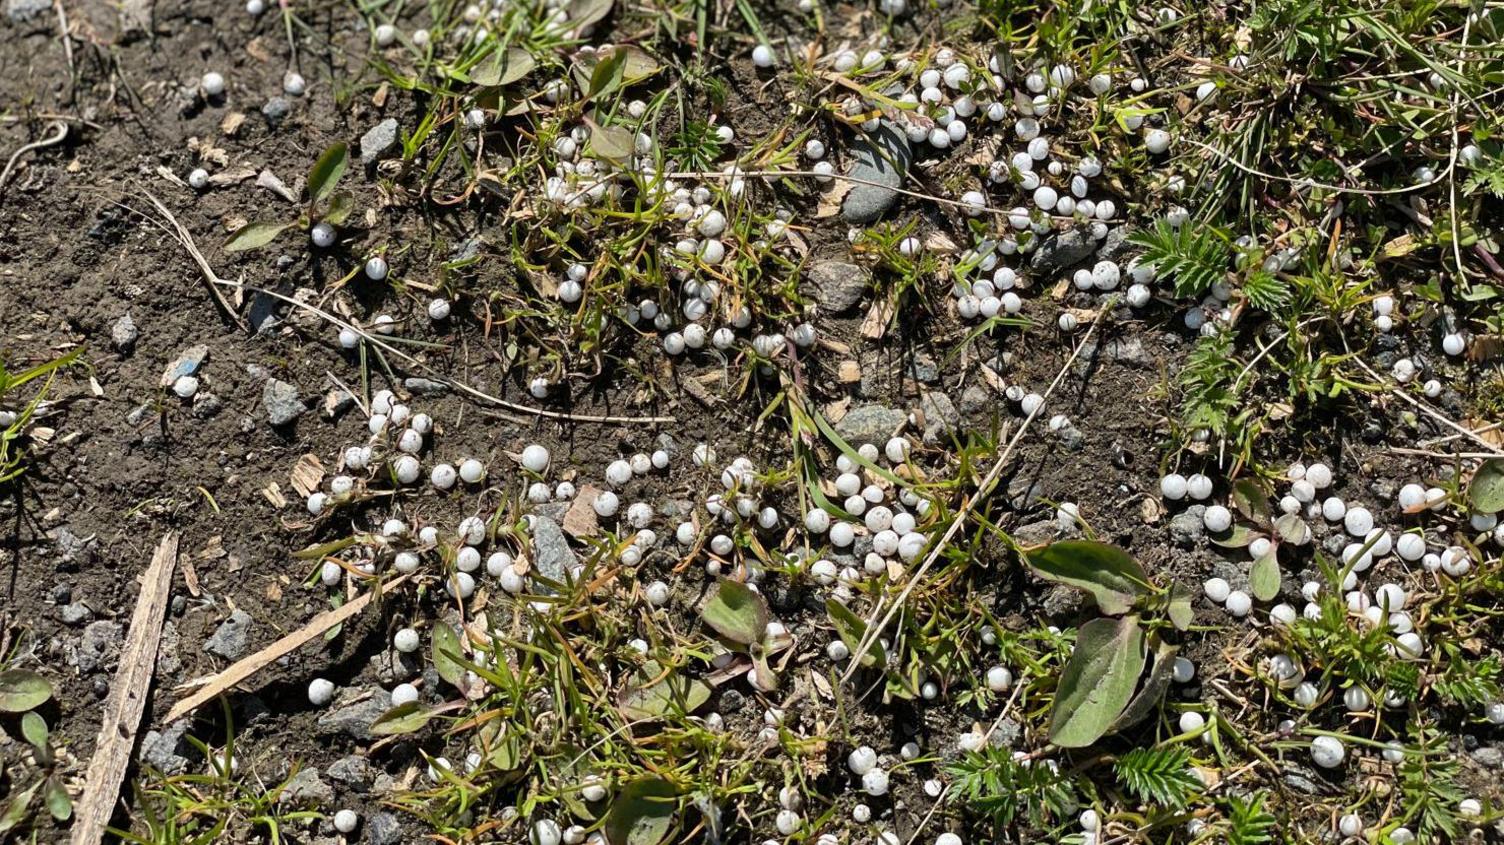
<point x="128" y="694"/>
<point x="249" y="666"/>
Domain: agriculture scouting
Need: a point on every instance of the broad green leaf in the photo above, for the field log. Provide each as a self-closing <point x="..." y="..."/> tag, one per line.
<point x="1179" y="609"/>
<point x="1153" y="688"/>
<point x="1236" y="537"/>
<point x="607" y="74"/>
<point x="58" y="802"/>
<point x="1263" y="577"/>
<point x="21" y="690"/>
<point x="851" y="628"/>
<point x="642" y="812"/>
<point x="1251" y="498"/>
<point x="763" y="678"/>
<point x="1293" y="529"/>
<point x="402" y="719"/>
<point x="506" y="752"/>
<point x="1108" y="573"/>
<point x="254" y="236"/>
<point x="340" y="206"/>
<point x="34" y="729"/>
<point x="585" y="12"/>
<point x="327" y="171"/>
<point x="447" y="653"/>
<point x="1485" y="493"/>
<point x="503" y="67"/>
<point x="736" y="613"/>
<point x="612" y="143"/>
<point x="1098" y="681"/>
<point x="16" y="811"/>
<point x="656" y="699"/>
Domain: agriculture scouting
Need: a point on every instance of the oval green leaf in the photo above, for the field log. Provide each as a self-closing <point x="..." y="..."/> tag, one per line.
<point x="1263" y="577"/>
<point x="1236" y="537"/>
<point x="447" y="653"/>
<point x="1108" y="573"/>
<point x="503" y="67"/>
<point x="1485" y="493"/>
<point x="402" y="719"/>
<point x="21" y="691"/>
<point x="1153" y="689"/>
<point x="34" y="729"/>
<point x="327" y="171"/>
<point x="671" y="696"/>
<point x="736" y="613"/>
<point x="1098" y="681"/>
<point x="254" y="236"/>
<point x="642" y="813"/>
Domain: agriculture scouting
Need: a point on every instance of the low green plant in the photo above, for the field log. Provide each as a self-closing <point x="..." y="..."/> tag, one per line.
<point x="12" y="436"/>
<point x="325" y="204"/>
<point x="1120" y="666"/>
<point x="22" y="692"/>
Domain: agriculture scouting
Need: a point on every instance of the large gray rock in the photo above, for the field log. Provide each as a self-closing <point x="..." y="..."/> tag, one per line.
<point x="167" y="751"/>
<point x="232" y="637"/>
<point x="941" y="419"/>
<point x="880" y="161"/>
<point x="355" y="719"/>
<point x="870" y="424"/>
<point x="1060" y="251"/>
<point x="378" y="141"/>
<point x="551" y="551"/>
<point x="281" y="401"/>
<point x="1188" y="526"/>
<point x="837" y="285"/>
<point x="353" y="771"/>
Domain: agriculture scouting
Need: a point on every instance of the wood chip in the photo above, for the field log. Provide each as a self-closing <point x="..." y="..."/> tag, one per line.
<point x="580" y="520"/>
<point x="273" y="493"/>
<point x="307" y="475"/>
<point x="127" y="700"/>
<point x="268" y="180"/>
<point x="849" y="372"/>
<point x="875" y="324"/>
<point x="232" y="123"/>
<point x="245" y="668"/>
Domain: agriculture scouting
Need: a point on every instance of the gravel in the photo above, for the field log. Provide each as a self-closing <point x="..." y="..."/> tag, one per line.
<point x="941" y="419"/>
<point x="24" y="10"/>
<point x="306" y="787"/>
<point x="378" y="141"/>
<point x="282" y="403"/>
<point x="883" y="158"/>
<point x="383" y="828"/>
<point x="275" y="109"/>
<point x="354" y="719"/>
<point x="1058" y="252"/>
<point x="352" y="771"/>
<point x="419" y="386"/>
<point x="551" y="549"/>
<point x="124" y="334"/>
<point x="837" y="286"/>
<point x="98" y="646"/>
<point x="167" y="751"/>
<point x="1187" y="527"/>
<point x="870" y="424"/>
<point x="232" y="637"/>
<point x="76" y="614"/>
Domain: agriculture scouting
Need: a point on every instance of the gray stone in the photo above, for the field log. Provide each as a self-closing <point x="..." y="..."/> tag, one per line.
<point x="281" y="402"/>
<point x="71" y="547"/>
<point x="880" y="161"/>
<point x="378" y="141"/>
<point x="137" y="414"/>
<point x="941" y="419"/>
<point x="419" y="386"/>
<point x="976" y="400"/>
<point x="837" y="286"/>
<point x="923" y="368"/>
<point x="1112" y="245"/>
<point x="1006" y="734"/>
<point x="1301" y="783"/>
<point x="263" y="312"/>
<point x="1060" y="251"/>
<point x="232" y="637"/>
<point x="354" y="719"/>
<point x="551" y="551"/>
<point x="168" y="662"/>
<point x="1024" y="493"/>
<point x="276" y="108"/>
<point x="306" y="787"/>
<point x="24" y="10"/>
<point x="1035" y="533"/>
<point x="870" y="424"/>
<point x="99" y="644"/>
<point x="394" y="667"/>
<point x="76" y="613"/>
<point x="383" y="828"/>
<point x="206" y="405"/>
<point x="1489" y="757"/>
<point x="1187" y="526"/>
<point x="167" y="751"/>
<point x="124" y="333"/>
<point x="1062" y="602"/>
<point x="353" y="772"/>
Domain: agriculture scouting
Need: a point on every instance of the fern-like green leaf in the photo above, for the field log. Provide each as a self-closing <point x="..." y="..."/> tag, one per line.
<point x="995" y="785"/>
<point x="1195" y="257"/>
<point x="1266" y="291"/>
<point x="1248" y="823"/>
<point x="1161" y="776"/>
<point x="1429" y="790"/>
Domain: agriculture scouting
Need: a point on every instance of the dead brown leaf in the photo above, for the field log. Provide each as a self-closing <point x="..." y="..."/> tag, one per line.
<point x="580" y="520"/>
